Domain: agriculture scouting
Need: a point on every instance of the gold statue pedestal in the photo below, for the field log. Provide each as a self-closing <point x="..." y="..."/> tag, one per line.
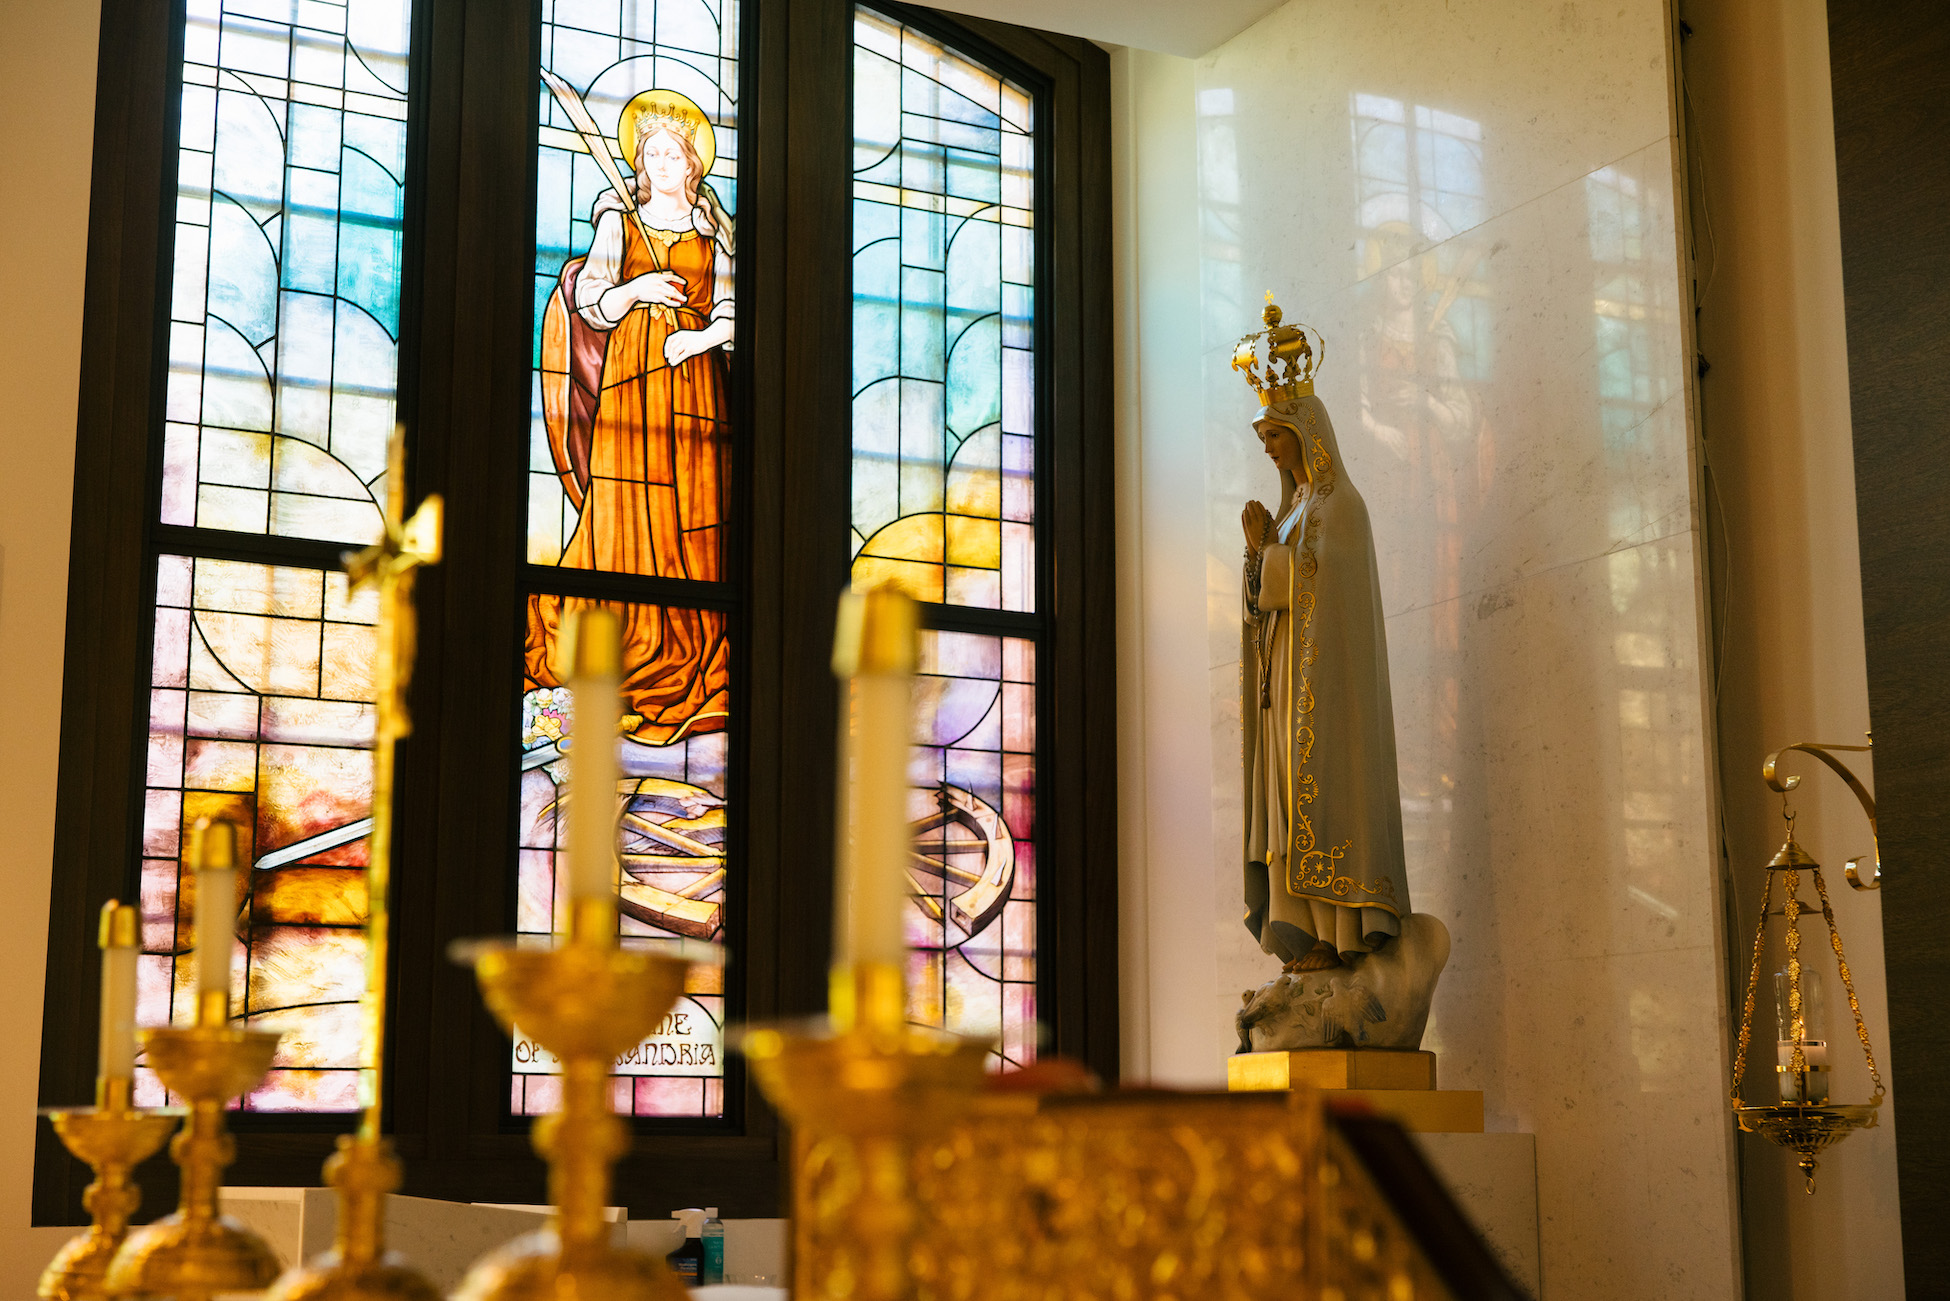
<point x="1393" y="1082"/>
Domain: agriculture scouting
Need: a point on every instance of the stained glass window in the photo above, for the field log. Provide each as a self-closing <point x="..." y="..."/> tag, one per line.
<point x="634" y="298"/>
<point x="280" y="402"/>
<point x="629" y="467"/>
<point x="971" y="931"/>
<point x="261" y="712"/>
<point x="944" y="495"/>
<point x="670" y="808"/>
<point x="943" y="314"/>
<point x="284" y="329"/>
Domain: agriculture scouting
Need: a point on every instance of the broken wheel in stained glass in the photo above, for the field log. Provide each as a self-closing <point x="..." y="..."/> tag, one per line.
<point x="943" y="323"/>
<point x="261" y="712"/>
<point x="971" y="931"/>
<point x="637" y="184"/>
<point x="670" y="814"/>
<point x="285" y="311"/>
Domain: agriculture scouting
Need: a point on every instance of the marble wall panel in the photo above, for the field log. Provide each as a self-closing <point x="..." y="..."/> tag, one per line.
<point x="1476" y="207"/>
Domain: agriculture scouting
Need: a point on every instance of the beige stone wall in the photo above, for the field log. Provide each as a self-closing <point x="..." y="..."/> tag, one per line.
<point x="47" y="106"/>
<point x="1526" y="455"/>
<point x="1776" y="423"/>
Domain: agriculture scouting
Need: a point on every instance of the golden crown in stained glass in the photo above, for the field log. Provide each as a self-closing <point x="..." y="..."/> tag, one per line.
<point x="1284" y="369"/>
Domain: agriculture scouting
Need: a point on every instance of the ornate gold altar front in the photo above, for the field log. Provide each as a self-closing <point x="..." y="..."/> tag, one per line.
<point x="1124" y="1194"/>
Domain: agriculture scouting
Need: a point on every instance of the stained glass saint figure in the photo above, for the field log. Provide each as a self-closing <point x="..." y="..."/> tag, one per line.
<point x="633" y="395"/>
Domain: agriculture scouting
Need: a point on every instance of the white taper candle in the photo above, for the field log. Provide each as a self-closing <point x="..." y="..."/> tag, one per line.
<point x="877" y="648"/>
<point x="595" y="677"/>
<point x="213" y="851"/>
<point x="116" y="1051"/>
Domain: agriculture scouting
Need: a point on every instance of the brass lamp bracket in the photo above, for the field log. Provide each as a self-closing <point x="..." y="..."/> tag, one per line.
<point x="1825" y="753"/>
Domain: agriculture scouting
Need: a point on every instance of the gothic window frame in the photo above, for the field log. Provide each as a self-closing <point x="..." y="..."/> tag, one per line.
<point x="464" y="391"/>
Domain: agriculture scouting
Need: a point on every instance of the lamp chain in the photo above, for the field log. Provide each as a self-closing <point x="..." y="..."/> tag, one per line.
<point x="1848" y="983"/>
<point x="1753" y="983"/>
<point x="1797" y="1009"/>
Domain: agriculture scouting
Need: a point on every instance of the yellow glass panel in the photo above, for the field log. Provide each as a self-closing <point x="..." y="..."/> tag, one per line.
<point x="916" y="537"/>
<point x="921" y="581"/>
<point x="976" y="543"/>
<point x="253" y="742"/>
<point x="975" y="478"/>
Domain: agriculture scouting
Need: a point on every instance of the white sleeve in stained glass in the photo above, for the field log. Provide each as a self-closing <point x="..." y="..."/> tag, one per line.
<point x="724" y="306"/>
<point x="601" y="271"/>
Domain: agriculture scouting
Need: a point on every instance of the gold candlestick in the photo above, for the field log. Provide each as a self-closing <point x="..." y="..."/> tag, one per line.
<point x="113" y="1138"/>
<point x="586" y="1001"/>
<point x="863" y="1092"/>
<point x="861" y="1096"/>
<point x="197" y="1253"/>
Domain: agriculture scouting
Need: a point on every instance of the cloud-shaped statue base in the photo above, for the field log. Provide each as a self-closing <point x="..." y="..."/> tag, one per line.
<point x="1381" y="1001"/>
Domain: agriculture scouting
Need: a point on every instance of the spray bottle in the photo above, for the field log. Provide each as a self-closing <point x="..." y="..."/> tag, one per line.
<point x="687" y="1262"/>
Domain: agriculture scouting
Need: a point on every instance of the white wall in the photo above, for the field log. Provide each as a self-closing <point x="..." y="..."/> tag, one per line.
<point x="1515" y="322"/>
<point x="1776" y="424"/>
<point x="47" y="113"/>
<point x="1164" y="756"/>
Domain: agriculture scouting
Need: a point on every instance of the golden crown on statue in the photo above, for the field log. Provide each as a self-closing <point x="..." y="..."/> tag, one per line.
<point x="1287" y="372"/>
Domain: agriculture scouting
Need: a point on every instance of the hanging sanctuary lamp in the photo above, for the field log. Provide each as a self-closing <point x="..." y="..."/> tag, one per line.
<point x="1803" y="1119"/>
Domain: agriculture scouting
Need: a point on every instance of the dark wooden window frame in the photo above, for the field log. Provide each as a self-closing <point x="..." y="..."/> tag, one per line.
<point x="464" y="391"/>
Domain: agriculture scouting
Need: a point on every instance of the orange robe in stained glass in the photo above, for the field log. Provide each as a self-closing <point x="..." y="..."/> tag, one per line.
<point x="641" y="448"/>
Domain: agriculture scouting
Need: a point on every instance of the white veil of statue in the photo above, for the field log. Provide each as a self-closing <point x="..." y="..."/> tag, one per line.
<point x="1324" y="872"/>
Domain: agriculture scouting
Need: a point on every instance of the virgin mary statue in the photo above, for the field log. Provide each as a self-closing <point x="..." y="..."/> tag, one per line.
<point x="1323" y="849"/>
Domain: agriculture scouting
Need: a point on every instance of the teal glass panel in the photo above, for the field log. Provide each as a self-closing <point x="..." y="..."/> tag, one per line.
<point x="943" y="309"/>
<point x="285" y="304"/>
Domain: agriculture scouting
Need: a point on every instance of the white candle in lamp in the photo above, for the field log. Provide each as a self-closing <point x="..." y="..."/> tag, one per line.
<point x="213" y="850"/>
<point x="1814" y="1056"/>
<point x="877" y="647"/>
<point x="116" y="1055"/>
<point x="595" y="656"/>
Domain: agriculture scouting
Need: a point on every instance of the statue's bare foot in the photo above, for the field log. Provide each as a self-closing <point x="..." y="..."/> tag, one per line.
<point x="1323" y="956"/>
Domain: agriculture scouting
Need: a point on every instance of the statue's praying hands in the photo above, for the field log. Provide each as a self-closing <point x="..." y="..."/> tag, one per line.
<point x="1255" y="520"/>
